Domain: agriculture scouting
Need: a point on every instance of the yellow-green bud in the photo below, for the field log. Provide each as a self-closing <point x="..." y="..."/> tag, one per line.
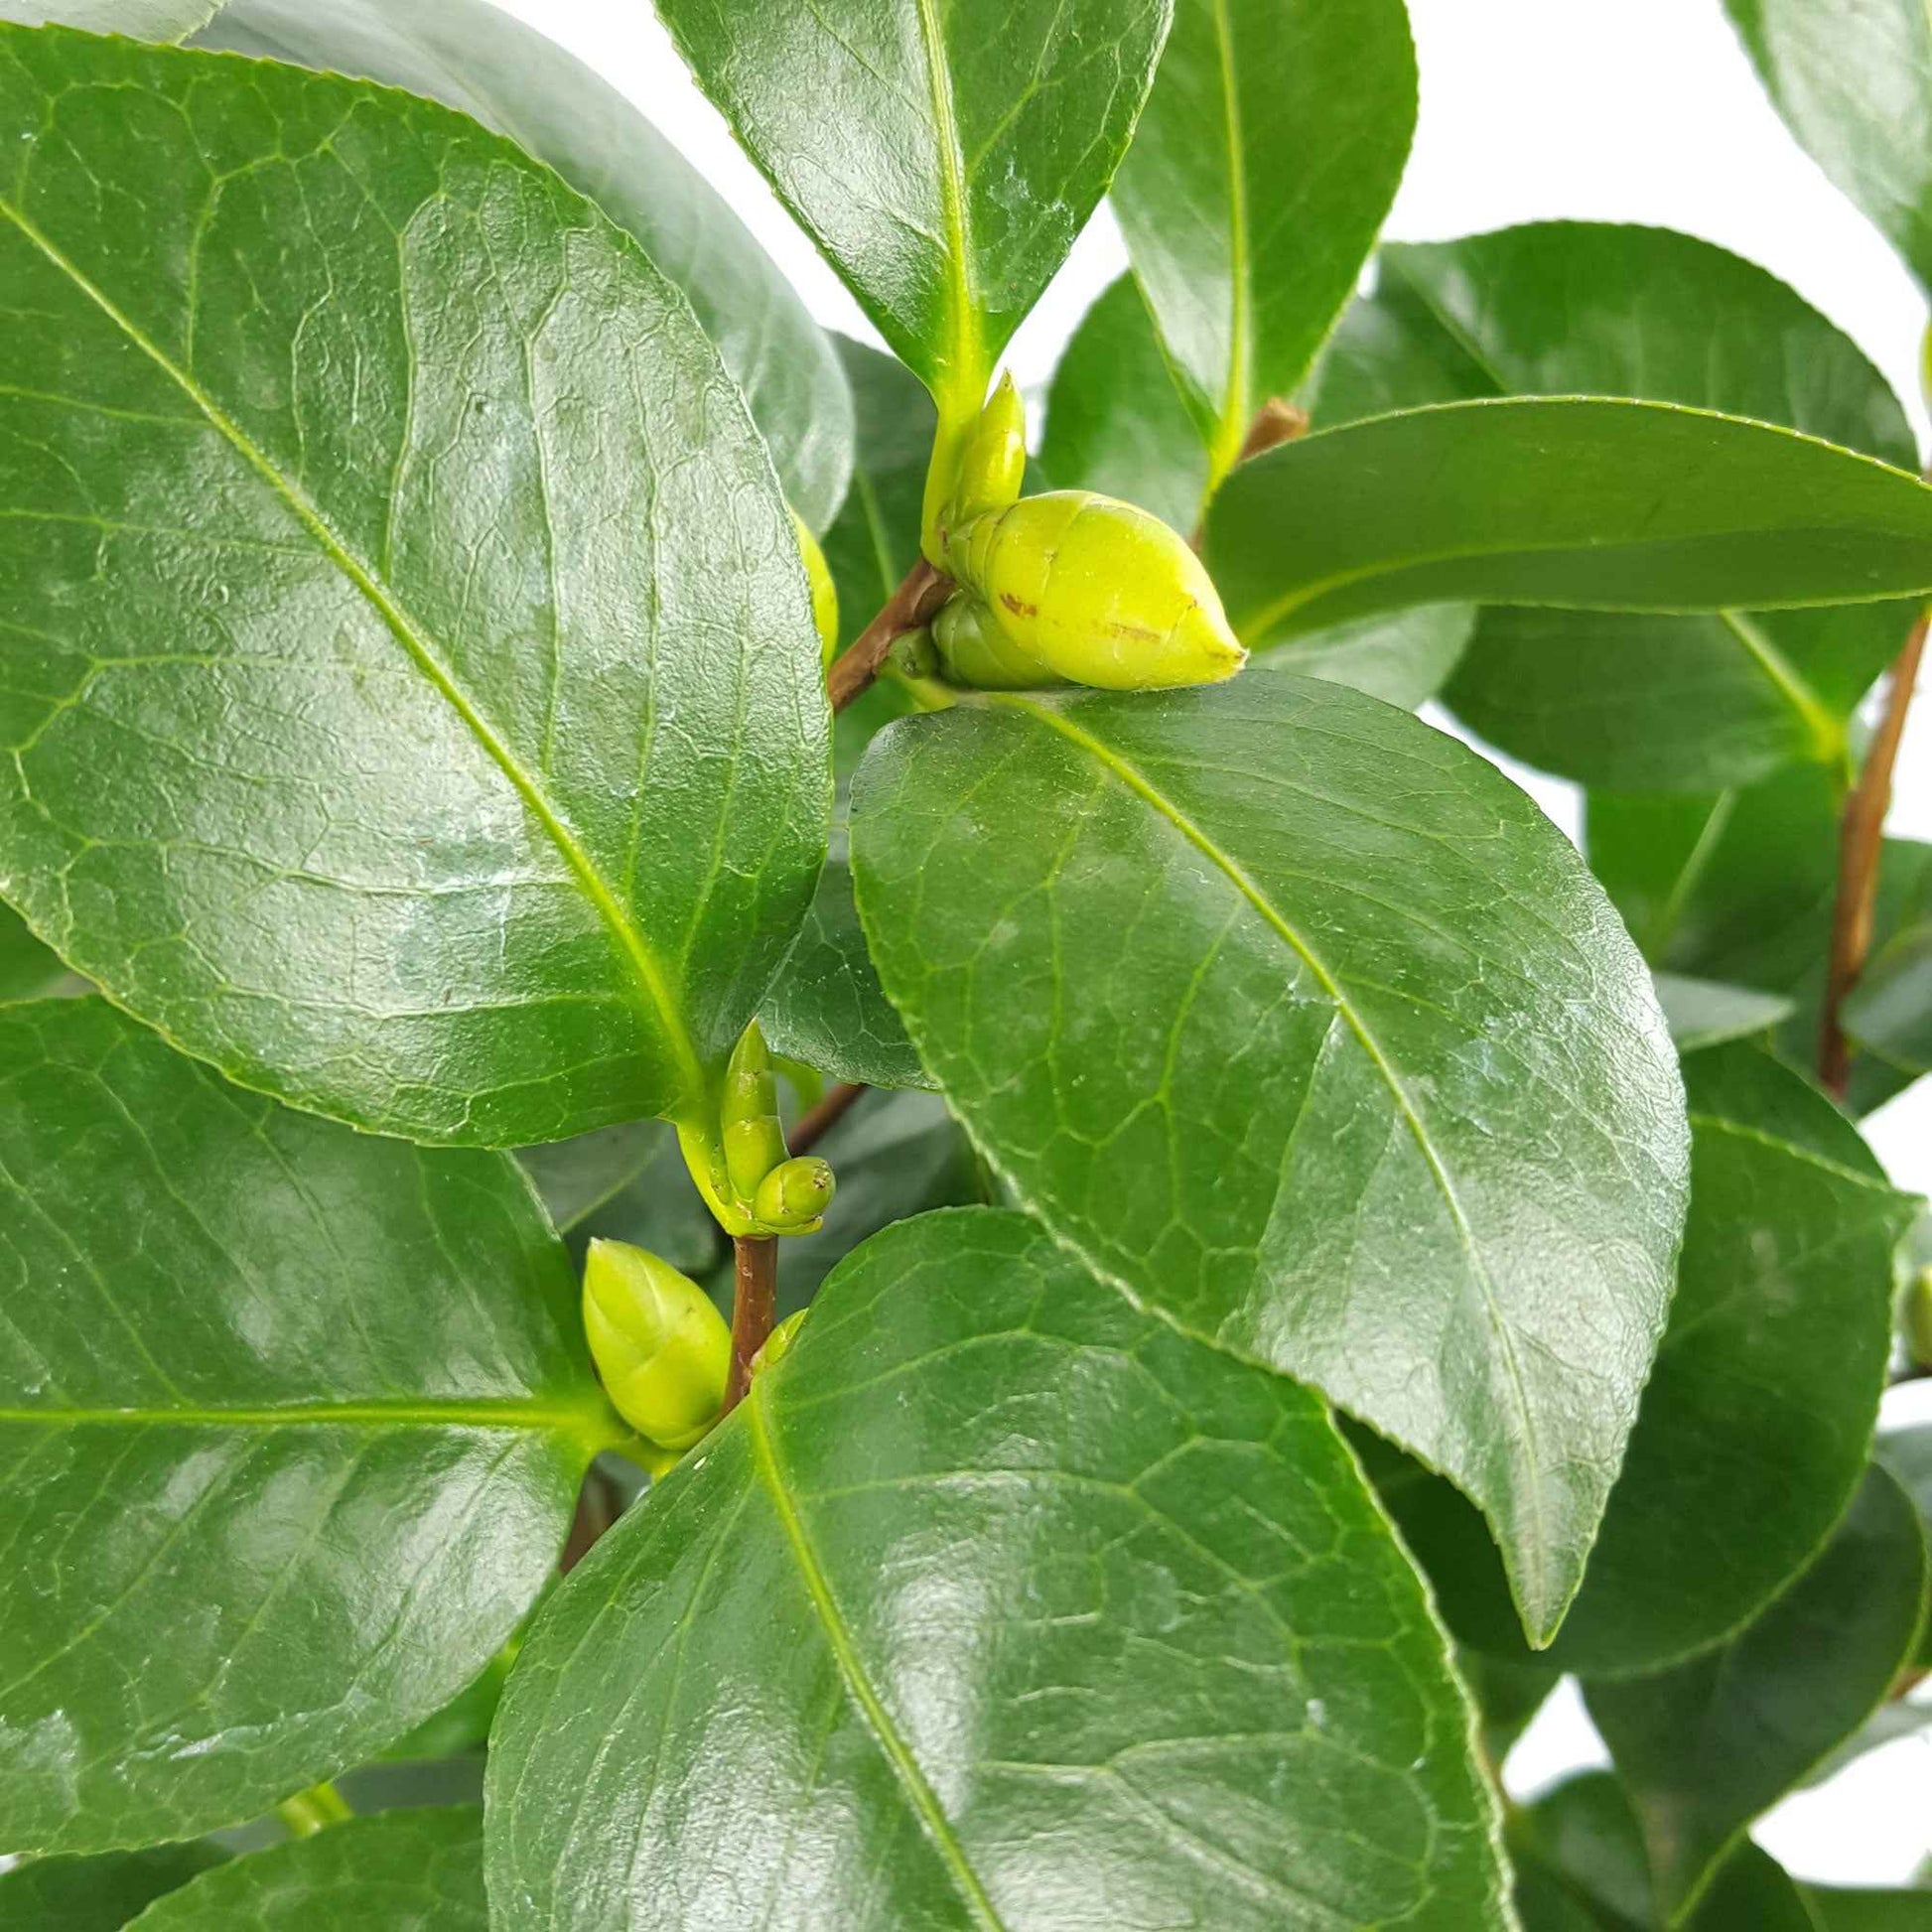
<point x="1918" y="1318"/>
<point x="754" y="1143"/>
<point x="794" y="1195"/>
<point x="993" y="465"/>
<point x="777" y="1344"/>
<point x="974" y="651"/>
<point x="825" y="594"/>
<point x="662" y="1349"/>
<point x="1097" y="592"/>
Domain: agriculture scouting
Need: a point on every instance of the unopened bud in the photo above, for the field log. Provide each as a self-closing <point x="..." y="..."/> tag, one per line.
<point x="661" y="1347"/>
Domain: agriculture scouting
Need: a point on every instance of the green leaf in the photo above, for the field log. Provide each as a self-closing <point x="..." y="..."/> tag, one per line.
<point x="98" y="1894"/>
<point x="997" y="1600"/>
<point x="474" y="57"/>
<point x="1890" y="1013"/>
<point x="1578" y="503"/>
<point x="1403" y="658"/>
<point x="942" y="161"/>
<point x="1702" y="1013"/>
<point x="1757" y="1417"/>
<point x="1707" y="1747"/>
<point x="397" y="828"/>
<point x="626" y="1183"/>
<point x="1270" y="151"/>
<point x="404" y="1872"/>
<point x="1115" y="420"/>
<point x="1581" y="1841"/>
<point x="1297" y="1018"/>
<point x="141" y="20"/>
<point x="1507" y="1696"/>
<point x="27" y="968"/>
<point x="1752" y="1892"/>
<point x="291" y="1426"/>
<point x="1852" y="80"/>
<point x="827" y="1008"/>
<point x="1836" y="1910"/>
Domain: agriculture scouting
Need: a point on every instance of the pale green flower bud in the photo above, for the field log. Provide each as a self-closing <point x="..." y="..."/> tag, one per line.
<point x="793" y="1197"/>
<point x="974" y="651"/>
<point x="1097" y="592"/>
<point x="777" y="1344"/>
<point x="661" y="1347"/>
<point x="825" y="594"/>
<point x="754" y="1141"/>
<point x="994" y="464"/>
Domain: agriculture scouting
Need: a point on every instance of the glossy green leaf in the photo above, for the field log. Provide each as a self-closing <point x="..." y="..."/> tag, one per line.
<point x="626" y="1183"/>
<point x="27" y="969"/>
<point x="998" y="1604"/>
<point x="1404" y="659"/>
<point x="393" y="823"/>
<point x="1757" y="1418"/>
<point x="1594" y="308"/>
<point x="475" y="56"/>
<point x="1890" y="1013"/>
<point x="1581" y="1841"/>
<point x="1751" y="1892"/>
<point x="1705" y="1748"/>
<point x="827" y="1008"/>
<point x="1270" y="151"/>
<point x="1115" y="420"/>
<point x="404" y="1872"/>
<point x="1295" y="1017"/>
<point x="1852" y="80"/>
<point x="141" y="20"/>
<point x="1702" y="1013"/>
<point x="1574" y="502"/>
<point x="291" y="1426"/>
<point x="98" y="1895"/>
<point x="943" y="162"/>
<point x="1842" y="1909"/>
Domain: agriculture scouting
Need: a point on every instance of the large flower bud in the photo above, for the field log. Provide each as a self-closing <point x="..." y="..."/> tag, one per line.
<point x="662" y="1349"/>
<point x="1097" y="592"/>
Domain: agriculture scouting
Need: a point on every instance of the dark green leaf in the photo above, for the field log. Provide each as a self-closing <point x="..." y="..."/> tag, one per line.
<point x="1115" y="421"/>
<point x="626" y="1183"/>
<point x="27" y="968"/>
<point x="396" y="824"/>
<point x="1270" y="150"/>
<point x="1576" y="502"/>
<point x="1751" y="1892"/>
<point x="1582" y="1839"/>
<point x="997" y="1604"/>
<point x="1833" y="1909"/>
<point x="944" y="160"/>
<point x="1297" y="1017"/>
<point x="98" y="1894"/>
<point x="1906" y="1455"/>
<point x="1757" y="1418"/>
<point x="1403" y="658"/>
<point x="142" y="20"/>
<point x="827" y="1008"/>
<point x="478" y="59"/>
<point x="1507" y="1696"/>
<point x="1703" y="1012"/>
<point x="405" y="1871"/>
<point x="1705" y="1748"/>
<point x="1890" y="1013"/>
<point x="1852" y="80"/>
<point x="291" y="1425"/>
<point x="1593" y="309"/>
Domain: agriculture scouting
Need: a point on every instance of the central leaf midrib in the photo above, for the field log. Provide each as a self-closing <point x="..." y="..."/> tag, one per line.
<point x="1137" y="782"/>
<point x="413" y="1413"/>
<point x="644" y="968"/>
<point x="845" y="1651"/>
<point x="963" y="322"/>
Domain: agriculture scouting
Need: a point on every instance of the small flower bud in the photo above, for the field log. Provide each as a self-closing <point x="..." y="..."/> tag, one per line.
<point x="974" y="651"/>
<point x="662" y="1349"/>
<point x="994" y="464"/>
<point x="754" y="1141"/>
<point x="777" y="1344"/>
<point x="825" y="594"/>
<point x="1097" y="592"/>
<point x="792" y="1196"/>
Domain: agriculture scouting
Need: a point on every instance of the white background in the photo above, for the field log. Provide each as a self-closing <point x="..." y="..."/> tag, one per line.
<point x="1632" y="110"/>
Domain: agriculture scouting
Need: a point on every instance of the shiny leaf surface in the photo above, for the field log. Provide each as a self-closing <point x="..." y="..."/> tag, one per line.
<point x="1295" y="1017"/>
<point x="1044" y="1614"/>
<point x="98" y="1895"/>
<point x="1580" y="504"/>
<point x="626" y="1183"/>
<point x="403" y="1872"/>
<point x="142" y="20"/>
<point x="480" y="59"/>
<point x="942" y="162"/>
<point x="1702" y="1013"/>
<point x="1270" y="150"/>
<point x="1705" y="1748"/>
<point x="441" y="516"/>
<point x="1891" y="1012"/>
<point x="291" y="1426"/>
<point x="1852" y="80"/>
<point x="1594" y="308"/>
<point x="1403" y="658"/>
<point x="1757" y="1418"/>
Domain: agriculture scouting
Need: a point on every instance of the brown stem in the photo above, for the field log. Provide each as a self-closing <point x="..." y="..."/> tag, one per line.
<point x="755" y="1307"/>
<point x="913" y="604"/>
<point x="1274" y="422"/>
<point x="817" y="1122"/>
<point x="1861" y="847"/>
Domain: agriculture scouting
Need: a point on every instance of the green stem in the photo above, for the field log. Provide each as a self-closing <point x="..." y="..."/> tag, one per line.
<point x="313" y="1810"/>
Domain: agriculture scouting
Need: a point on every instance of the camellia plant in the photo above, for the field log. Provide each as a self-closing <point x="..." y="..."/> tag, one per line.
<point x="853" y="1008"/>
